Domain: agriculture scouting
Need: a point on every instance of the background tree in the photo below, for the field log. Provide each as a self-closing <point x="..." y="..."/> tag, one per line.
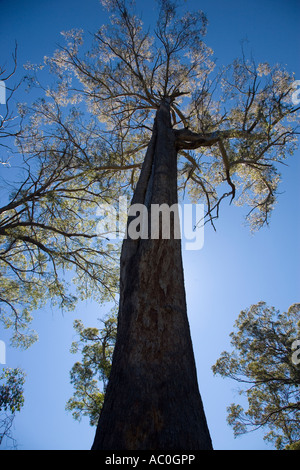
<point x="262" y="361"/>
<point x="11" y="400"/>
<point x="90" y="376"/>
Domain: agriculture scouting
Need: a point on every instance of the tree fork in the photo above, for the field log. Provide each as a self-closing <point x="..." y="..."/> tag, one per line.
<point x="152" y="401"/>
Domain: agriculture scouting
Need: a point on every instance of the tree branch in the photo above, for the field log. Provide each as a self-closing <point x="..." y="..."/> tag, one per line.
<point x="189" y="140"/>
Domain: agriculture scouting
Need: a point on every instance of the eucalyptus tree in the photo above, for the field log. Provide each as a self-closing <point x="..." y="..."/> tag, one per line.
<point x="90" y="376"/>
<point x="152" y="93"/>
<point x="162" y="119"/>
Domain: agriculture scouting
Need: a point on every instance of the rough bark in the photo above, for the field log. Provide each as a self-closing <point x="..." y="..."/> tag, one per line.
<point x="152" y="400"/>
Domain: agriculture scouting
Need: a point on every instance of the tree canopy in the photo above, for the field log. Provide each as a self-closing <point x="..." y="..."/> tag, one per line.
<point x="83" y="141"/>
<point x="233" y="125"/>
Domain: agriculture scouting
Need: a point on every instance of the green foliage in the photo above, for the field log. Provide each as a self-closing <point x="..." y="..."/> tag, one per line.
<point x="262" y="360"/>
<point x="11" y="390"/>
<point x="295" y="446"/>
<point x="90" y="376"/>
<point x="11" y="399"/>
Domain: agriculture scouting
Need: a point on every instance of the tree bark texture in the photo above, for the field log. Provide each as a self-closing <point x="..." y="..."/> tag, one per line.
<point x="152" y="400"/>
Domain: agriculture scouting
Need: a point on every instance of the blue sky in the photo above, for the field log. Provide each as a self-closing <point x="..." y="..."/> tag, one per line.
<point x="233" y="270"/>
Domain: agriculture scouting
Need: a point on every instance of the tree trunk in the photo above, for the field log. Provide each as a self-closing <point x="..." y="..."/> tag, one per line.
<point x="152" y="400"/>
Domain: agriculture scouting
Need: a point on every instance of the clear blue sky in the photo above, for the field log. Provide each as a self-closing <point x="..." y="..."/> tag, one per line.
<point x="233" y="270"/>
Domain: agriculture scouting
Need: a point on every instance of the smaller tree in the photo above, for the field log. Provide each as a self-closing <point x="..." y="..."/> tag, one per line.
<point x="263" y="359"/>
<point x="11" y="400"/>
<point x="90" y="376"/>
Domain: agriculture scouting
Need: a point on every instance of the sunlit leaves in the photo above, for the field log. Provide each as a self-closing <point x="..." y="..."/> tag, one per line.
<point x="258" y="125"/>
<point x="128" y="71"/>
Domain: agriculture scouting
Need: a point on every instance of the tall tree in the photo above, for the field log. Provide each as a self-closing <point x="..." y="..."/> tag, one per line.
<point x="155" y="92"/>
<point x="265" y="361"/>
